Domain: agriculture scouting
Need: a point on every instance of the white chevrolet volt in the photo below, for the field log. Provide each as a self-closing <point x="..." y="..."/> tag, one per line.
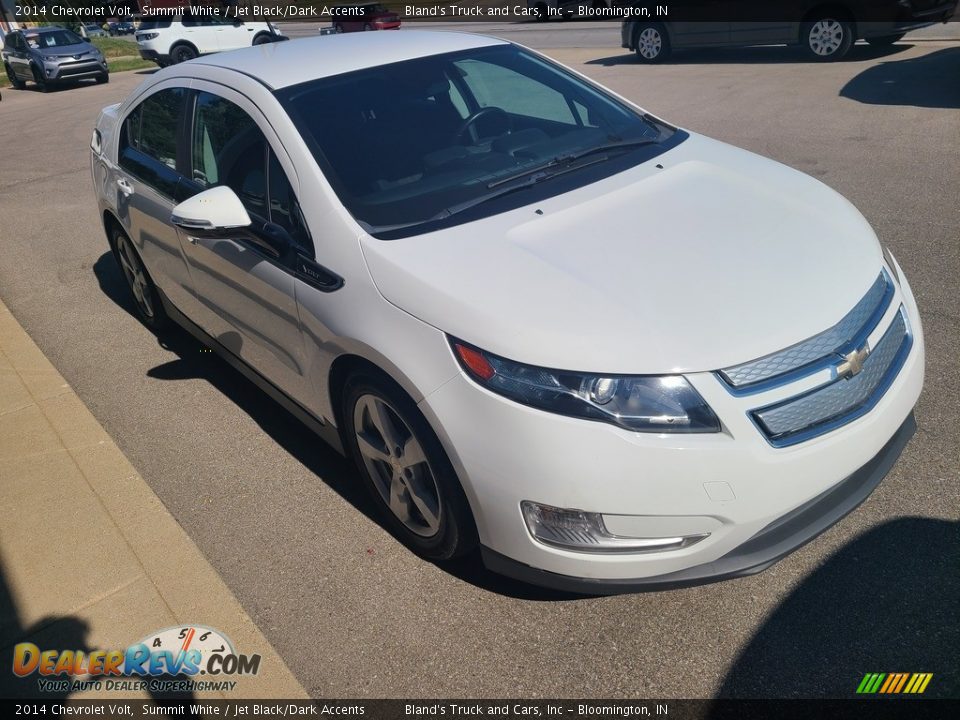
<point x="606" y="352"/>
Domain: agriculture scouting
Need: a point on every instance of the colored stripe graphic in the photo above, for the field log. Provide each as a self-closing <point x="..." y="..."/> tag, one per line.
<point x="894" y="683"/>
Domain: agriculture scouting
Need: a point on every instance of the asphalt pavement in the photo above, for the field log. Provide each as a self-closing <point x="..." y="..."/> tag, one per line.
<point x="352" y="612"/>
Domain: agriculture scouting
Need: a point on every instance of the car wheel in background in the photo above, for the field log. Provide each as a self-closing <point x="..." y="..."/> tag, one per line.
<point x="886" y="40"/>
<point x="39" y="80"/>
<point x="182" y="53"/>
<point x="15" y="82"/>
<point x="652" y="43"/>
<point x="827" y="38"/>
<point x="145" y="296"/>
<point x="261" y="39"/>
<point x="405" y="469"/>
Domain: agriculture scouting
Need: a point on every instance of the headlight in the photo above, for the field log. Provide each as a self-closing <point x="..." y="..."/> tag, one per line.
<point x="147" y="36"/>
<point x="644" y="403"/>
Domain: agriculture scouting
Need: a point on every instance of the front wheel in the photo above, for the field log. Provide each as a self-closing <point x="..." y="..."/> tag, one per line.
<point x="652" y="44"/>
<point x="886" y="40"/>
<point x="827" y="39"/>
<point x="40" y="81"/>
<point x="405" y="469"/>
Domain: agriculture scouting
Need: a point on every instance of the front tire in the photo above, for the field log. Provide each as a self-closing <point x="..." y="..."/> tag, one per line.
<point x="886" y="40"/>
<point x="405" y="469"/>
<point x="827" y="39"/>
<point x="182" y="53"/>
<point x="261" y="39"/>
<point x="40" y="81"/>
<point x="652" y="43"/>
<point x="145" y="296"/>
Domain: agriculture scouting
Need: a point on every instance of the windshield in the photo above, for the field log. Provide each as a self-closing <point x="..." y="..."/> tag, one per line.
<point x="53" y="38"/>
<point x="415" y="141"/>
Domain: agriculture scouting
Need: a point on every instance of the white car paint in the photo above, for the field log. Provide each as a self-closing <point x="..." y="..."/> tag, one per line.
<point x="707" y="257"/>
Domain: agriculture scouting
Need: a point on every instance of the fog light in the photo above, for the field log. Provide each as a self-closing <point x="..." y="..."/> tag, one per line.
<point x="585" y="532"/>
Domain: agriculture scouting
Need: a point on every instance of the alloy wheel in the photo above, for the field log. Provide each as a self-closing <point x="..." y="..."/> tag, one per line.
<point x="136" y="276"/>
<point x="397" y="465"/>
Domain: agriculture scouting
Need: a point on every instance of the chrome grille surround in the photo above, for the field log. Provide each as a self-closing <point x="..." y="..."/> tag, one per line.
<point x="817" y="352"/>
<point x="841" y="401"/>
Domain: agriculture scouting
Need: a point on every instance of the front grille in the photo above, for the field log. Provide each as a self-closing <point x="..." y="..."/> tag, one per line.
<point x="817" y="352"/>
<point x="841" y="401"/>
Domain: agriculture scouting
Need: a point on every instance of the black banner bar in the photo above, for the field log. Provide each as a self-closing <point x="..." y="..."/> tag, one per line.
<point x="905" y="13"/>
<point x="874" y="708"/>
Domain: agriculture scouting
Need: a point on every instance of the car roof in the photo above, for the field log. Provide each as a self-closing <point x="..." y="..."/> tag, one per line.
<point x="293" y="62"/>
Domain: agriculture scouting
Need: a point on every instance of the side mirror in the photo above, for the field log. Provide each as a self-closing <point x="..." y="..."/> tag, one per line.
<point x="218" y="208"/>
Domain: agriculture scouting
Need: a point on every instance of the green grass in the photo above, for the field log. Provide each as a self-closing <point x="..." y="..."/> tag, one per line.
<point x="115" y="47"/>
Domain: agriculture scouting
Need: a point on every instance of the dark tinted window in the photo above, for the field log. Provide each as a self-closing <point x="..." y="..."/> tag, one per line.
<point x="148" y="139"/>
<point x="229" y="149"/>
<point x="155" y="24"/>
<point x="284" y="210"/>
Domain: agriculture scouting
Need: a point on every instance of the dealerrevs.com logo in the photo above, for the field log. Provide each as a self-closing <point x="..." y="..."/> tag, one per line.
<point x="172" y="659"/>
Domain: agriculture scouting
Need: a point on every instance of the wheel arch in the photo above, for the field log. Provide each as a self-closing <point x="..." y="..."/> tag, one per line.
<point x="840" y="10"/>
<point x="182" y="43"/>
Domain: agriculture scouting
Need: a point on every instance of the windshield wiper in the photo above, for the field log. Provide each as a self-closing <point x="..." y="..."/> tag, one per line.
<point x="566" y="158"/>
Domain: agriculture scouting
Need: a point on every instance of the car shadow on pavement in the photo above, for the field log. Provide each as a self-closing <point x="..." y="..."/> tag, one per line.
<point x="886" y="602"/>
<point x="931" y="81"/>
<point x="759" y="55"/>
<point x="289" y="433"/>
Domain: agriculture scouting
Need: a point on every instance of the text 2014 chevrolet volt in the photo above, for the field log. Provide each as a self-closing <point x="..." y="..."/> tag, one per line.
<point x="607" y="352"/>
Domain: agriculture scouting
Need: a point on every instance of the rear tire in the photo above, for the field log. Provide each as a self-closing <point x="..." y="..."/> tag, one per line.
<point x="146" y="299"/>
<point x="652" y="43"/>
<point x="261" y="39"/>
<point x="827" y="38"/>
<point x="15" y="82"/>
<point x="405" y="468"/>
<point x="886" y="40"/>
<point x="182" y="53"/>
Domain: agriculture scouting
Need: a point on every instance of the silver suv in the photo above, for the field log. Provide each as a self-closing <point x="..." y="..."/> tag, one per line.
<point x="50" y="55"/>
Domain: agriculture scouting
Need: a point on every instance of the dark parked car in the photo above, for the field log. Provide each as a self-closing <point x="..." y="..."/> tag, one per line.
<point x="368" y="16"/>
<point x="826" y="29"/>
<point x="50" y="55"/>
<point x="121" y="28"/>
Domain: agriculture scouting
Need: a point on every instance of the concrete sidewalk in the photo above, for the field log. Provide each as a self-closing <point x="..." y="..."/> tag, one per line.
<point x="89" y="556"/>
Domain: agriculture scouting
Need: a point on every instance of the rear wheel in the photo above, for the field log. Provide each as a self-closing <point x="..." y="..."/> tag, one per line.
<point x="405" y="469"/>
<point x="827" y="38"/>
<point x="652" y="45"/>
<point x="261" y="39"/>
<point x="15" y="82"/>
<point x="886" y="40"/>
<point x="145" y="295"/>
<point x="182" y="53"/>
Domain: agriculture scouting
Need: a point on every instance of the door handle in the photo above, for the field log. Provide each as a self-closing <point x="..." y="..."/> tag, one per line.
<point x="126" y="187"/>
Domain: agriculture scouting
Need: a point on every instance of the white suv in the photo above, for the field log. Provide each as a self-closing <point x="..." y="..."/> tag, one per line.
<point x="167" y="42"/>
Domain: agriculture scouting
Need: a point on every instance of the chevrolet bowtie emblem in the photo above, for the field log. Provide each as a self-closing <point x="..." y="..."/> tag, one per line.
<point x="853" y="362"/>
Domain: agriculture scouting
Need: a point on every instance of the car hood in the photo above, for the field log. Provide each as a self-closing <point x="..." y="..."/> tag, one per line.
<point x="75" y="49"/>
<point x="705" y="257"/>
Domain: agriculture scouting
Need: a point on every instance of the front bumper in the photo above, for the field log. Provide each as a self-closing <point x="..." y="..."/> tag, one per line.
<point x="772" y="543"/>
<point x="757" y="502"/>
<point x="74" y="70"/>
